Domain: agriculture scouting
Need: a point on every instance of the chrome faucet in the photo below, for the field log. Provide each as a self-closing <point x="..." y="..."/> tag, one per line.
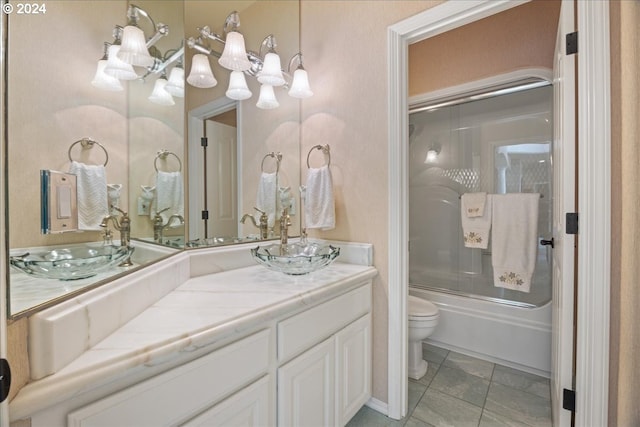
<point x="123" y="225"/>
<point x="285" y="222"/>
<point x="159" y="225"/>
<point x="263" y="224"/>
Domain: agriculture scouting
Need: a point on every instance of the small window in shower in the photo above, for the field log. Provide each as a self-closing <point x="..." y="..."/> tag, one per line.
<point x="498" y="145"/>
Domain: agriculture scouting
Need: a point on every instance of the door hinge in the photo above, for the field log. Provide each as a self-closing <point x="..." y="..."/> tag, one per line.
<point x="205" y="214"/>
<point x="572" y="223"/>
<point x="572" y="43"/>
<point x="569" y="400"/>
<point x="204" y="141"/>
<point x="5" y="379"/>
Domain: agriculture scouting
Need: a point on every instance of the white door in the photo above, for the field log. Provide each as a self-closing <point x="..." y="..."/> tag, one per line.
<point x="564" y="190"/>
<point x="222" y="185"/>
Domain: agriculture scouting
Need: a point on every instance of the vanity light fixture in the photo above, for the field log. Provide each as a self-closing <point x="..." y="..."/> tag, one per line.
<point x="201" y="75"/>
<point x="131" y="48"/>
<point x="102" y="80"/>
<point x="266" y="68"/>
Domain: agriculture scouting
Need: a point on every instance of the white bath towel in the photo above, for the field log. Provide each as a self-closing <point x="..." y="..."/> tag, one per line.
<point x="169" y="194"/>
<point x="266" y="197"/>
<point x="473" y="204"/>
<point x="93" y="203"/>
<point x="514" y="239"/>
<point x="319" y="206"/>
<point x="476" y="229"/>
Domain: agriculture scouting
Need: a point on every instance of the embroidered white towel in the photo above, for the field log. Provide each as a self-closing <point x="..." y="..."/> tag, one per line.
<point x="476" y="229"/>
<point x="319" y="209"/>
<point x="514" y="239"/>
<point x="169" y="194"/>
<point x="266" y="197"/>
<point x="473" y="204"/>
<point x="92" y="194"/>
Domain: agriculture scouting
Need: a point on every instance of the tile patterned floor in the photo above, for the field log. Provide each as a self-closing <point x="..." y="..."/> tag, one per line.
<point x="462" y="391"/>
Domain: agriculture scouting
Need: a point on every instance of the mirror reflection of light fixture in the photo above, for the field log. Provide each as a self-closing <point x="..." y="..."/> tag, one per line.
<point x="266" y="68"/>
<point x="201" y="75"/>
<point x="175" y="85"/>
<point x="131" y="48"/>
<point x="102" y="80"/>
<point x="300" y="84"/>
<point x="267" y="99"/>
<point x="432" y="154"/>
<point x="160" y="95"/>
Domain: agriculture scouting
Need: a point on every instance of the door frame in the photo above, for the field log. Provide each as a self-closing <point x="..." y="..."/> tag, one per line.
<point x="592" y="335"/>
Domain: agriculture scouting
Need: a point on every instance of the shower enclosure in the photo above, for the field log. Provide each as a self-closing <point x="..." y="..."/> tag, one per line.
<point x="501" y="144"/>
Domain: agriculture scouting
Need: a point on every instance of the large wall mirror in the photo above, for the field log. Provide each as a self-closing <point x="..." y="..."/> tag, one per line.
<point x="55" y="116"/>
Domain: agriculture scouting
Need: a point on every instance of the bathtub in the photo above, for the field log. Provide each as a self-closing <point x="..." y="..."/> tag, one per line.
<point x="513" y="336"/>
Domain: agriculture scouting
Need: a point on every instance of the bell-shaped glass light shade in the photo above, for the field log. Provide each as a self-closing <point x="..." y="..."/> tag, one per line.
<point x="159" y="95"/>
<point x="432" y="156"/>
<point x="201" y="75"/>
<point x="104" y="81"/>
<point x="238" y="89"/>
<point x="267" y="99"/>
<point x="175" y="85"/>
<point x="271" y="73"/>
<point x="300" y="85"/>
<point x="117" y="68"/>
<point x="234" y="55"/>
<point x="134" y="47"/>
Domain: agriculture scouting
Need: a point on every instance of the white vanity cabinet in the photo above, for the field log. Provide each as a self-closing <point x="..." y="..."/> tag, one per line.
<point x="330" y="381"/>
<point x="308" y="366"/>
<point x="174" y="397"/>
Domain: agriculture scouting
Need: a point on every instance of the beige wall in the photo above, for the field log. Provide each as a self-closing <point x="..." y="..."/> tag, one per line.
<point x="624" y="367"/>
<point x="344" y="43"/>
<point x="521" y="37"/>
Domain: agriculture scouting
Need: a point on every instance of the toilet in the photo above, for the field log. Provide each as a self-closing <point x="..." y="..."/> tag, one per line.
<point x="423" y="319"/>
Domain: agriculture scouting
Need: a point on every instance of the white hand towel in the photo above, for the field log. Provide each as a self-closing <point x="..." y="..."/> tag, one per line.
<point x="476" y="229"/>
<point x="92" y="194"/>
<point x="169" y="194"/>
<point x="514" y="239"/>
<point x="266" y="197"/>
<point x="473" y="204"/>
<point x="319" y="203"/>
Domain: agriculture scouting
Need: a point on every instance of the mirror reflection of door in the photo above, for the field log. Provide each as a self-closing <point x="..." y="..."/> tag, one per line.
<point x="220" y="180"/>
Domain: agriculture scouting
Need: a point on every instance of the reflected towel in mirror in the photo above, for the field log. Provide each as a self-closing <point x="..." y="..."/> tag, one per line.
<point x="169" y="194"/>
<point x="92" y="194"/>
<point x="266" y="197"/>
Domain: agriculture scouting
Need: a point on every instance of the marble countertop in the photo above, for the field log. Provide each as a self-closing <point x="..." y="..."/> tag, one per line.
<point x="198" y="314"/>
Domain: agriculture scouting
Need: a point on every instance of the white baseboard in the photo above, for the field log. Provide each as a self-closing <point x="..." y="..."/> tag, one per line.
<point x="378" y="406"/>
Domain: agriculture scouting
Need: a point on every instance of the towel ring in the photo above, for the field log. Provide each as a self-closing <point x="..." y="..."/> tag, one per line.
<point x="277" y="156"/>
<point x="163" y="154"/>
<point x="88" y="143"/>
<point x="325" y="149"/>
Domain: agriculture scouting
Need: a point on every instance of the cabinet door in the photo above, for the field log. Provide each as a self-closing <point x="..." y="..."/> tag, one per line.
<point x="249" y="407"/>
<point x="353" y="368"/>
<point x="306" y="394"/>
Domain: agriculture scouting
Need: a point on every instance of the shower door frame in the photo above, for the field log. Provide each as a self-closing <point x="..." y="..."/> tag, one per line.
<point x="594" y="195"/>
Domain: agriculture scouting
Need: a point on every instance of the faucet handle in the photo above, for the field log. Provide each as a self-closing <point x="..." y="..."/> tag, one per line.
<point x="119" y="210"/>
<point x="259" y="210"/>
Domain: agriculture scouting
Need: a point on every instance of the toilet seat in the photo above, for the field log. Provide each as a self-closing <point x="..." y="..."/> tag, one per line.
<point x="419" y="308"/>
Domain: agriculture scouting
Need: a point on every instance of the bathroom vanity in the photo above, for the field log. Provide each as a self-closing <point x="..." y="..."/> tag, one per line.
<point x="206" y="338"/>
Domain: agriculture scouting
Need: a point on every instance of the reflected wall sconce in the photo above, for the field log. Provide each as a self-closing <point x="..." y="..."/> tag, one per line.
<point x="133" y="56"/>
<point x="265" y="65"/>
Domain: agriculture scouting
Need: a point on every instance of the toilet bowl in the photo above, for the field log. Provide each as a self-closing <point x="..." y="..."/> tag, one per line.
<point x="423" y="319"/>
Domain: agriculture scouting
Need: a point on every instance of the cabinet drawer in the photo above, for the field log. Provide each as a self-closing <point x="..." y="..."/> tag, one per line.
<point x="177" y="395"/>
<point x="303" y="330"/>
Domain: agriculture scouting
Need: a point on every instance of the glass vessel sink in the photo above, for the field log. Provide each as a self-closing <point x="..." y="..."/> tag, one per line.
<point x="295" y="258"/>
<point x="70" y="263"/>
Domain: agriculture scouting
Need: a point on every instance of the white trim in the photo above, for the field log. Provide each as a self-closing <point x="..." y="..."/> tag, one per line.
<point x="196" y="119"/>
<point x="594" y="196"/>
<point x="378" y="406"/>
<point x="4" y="248"/>
<point x="431" y="22"/>
<point x="594" y="207"/>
